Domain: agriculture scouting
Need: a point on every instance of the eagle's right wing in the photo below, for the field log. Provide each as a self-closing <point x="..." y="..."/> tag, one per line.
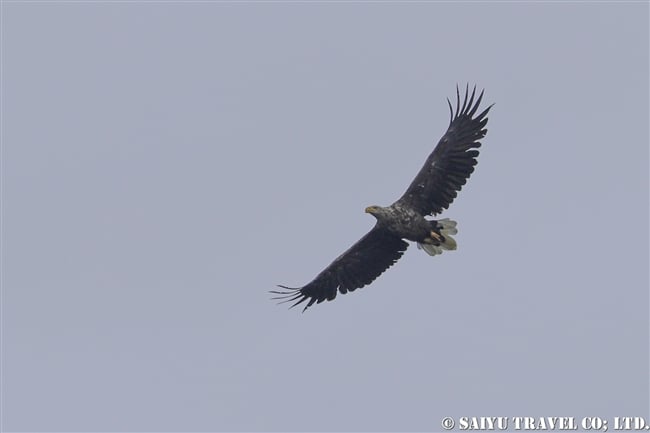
<point x="360" y="265"/>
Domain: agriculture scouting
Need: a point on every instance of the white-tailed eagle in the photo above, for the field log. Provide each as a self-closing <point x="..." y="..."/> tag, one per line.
<point x="434" y="188"/>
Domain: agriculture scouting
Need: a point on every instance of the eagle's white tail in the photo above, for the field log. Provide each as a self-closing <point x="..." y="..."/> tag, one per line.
<point x="446" y="228"/>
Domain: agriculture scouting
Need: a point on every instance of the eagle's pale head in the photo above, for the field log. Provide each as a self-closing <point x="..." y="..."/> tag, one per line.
<point x="377" y="211"/>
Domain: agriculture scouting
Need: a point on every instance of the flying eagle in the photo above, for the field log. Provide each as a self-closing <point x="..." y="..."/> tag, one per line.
<point x="434" y="188"/>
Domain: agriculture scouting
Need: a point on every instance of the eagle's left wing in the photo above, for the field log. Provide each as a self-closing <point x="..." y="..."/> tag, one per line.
<point x="360" y="265"/>
<point x="451" y="163"/>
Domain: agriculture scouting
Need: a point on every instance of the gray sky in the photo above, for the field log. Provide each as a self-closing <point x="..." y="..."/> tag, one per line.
<point x="166" y="164"/>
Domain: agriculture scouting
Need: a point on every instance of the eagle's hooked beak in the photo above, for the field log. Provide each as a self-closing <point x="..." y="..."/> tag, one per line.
<point x="371" y="209"/>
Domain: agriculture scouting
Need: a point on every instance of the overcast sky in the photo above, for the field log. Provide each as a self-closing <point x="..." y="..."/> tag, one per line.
<point x="166" y="164"/>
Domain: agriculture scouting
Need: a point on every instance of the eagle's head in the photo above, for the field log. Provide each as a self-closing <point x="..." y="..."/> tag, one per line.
<point x="377" y="211"/>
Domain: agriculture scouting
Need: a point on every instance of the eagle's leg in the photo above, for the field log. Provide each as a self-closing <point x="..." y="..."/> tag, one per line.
<point x="439" y="238"/>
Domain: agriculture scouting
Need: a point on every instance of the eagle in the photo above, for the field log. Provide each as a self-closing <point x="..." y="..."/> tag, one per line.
<point x="434" y="188"/>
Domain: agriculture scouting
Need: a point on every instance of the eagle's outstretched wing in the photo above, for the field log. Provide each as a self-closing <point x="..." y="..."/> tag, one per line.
<point x="451" y="163"/>
<point x="358" y="266"/>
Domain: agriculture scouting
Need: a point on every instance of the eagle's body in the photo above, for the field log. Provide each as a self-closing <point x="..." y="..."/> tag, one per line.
<point x="444" y="173"/>
<point x="401" y="221"/>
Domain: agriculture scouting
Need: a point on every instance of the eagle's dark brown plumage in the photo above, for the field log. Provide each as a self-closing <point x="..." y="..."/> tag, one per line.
<point x="434" y="188"/>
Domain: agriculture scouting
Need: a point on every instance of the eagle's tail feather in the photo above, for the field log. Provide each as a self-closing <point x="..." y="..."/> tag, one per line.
<point x="445" y="228"/>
